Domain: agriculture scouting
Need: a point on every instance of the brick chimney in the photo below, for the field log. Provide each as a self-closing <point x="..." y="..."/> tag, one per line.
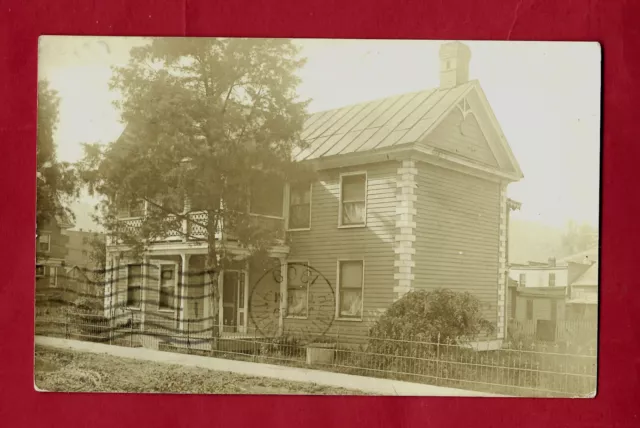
<point x="454" y="64"/>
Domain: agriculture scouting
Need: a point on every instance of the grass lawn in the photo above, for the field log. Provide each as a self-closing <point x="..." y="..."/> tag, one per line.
<point x="69" y="371"/>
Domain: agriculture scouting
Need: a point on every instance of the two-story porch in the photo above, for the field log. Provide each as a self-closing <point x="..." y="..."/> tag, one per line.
<point x="166" y="293"/>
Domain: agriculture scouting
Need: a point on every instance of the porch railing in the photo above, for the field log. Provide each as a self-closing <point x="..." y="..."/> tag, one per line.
<point x="196" y="228"/>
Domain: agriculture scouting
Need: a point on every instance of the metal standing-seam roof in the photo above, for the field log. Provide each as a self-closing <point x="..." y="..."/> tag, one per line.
<point x="386" y="122"/>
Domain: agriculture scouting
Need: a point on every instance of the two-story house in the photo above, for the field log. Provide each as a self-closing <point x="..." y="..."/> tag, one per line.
<point x="540" y="289"/>
<point x="411" y="194"/>
<point x="51" y="250"/>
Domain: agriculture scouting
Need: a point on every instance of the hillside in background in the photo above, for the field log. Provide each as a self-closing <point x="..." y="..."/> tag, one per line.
<point x="531" y="241"/>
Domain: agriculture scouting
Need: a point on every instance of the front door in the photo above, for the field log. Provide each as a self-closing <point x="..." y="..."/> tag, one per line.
<point x="233" y="302"/>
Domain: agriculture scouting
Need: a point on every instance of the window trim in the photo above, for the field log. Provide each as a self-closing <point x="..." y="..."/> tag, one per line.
<point x="520" y="282"/>
<point x="366" y="197"/>
<point x="338" y="285"/>
<point x="176" y="273"/>
<point x="297" y="317"/>
<point x="139" y="307"/>
<point x="288" y="202"/>
<point x="44" y="271"/>
<point x="55" y="276"/>
<point x="48" y="250"/>
<point x="145" y="209"/>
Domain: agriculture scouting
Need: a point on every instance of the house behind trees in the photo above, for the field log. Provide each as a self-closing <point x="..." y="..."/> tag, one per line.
<point x="410" y="194"/>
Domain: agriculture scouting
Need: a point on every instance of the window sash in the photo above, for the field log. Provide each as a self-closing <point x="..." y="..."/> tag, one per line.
<point x="552" y="280"/>
<point x="523" y="279"/>
<point x="351" y="290"/>
<point x="353" y="213"/>
<point x="298" y="290"/>
<point x="166" y="299"/>
<point x="353" y="199"/>
<point x="299" y="216"/>
<point x="44" y="243"/>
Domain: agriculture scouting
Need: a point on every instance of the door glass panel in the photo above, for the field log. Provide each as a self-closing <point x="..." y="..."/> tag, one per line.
<point x="241" y="291"/>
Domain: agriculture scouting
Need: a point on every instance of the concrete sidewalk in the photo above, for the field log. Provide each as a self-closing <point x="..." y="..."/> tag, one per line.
<point x="359" y="383"/>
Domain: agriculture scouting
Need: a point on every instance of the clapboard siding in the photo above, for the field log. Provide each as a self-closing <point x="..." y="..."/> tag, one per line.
<point x="462" y="136"/>
<point x="325" y="243"/>
<point x="457" y="234"/>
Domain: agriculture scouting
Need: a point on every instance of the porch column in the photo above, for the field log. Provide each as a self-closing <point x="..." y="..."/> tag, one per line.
<point x="143" y="293"/>
<point x="283" y="296"/>
<point x="107" y="286"/>
<point x="184" y="281"/>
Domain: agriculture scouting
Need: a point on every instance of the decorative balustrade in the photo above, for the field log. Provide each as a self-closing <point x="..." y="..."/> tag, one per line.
<point x="195" y="229"/>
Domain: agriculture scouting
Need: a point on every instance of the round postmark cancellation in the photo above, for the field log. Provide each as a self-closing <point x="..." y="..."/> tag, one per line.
<point x="307" y="304"/>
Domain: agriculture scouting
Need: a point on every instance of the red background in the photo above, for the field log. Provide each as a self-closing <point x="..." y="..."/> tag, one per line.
<point x="613" y="23"/>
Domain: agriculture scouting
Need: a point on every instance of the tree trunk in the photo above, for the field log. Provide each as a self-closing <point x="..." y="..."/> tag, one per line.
<point x="212" y="268"/>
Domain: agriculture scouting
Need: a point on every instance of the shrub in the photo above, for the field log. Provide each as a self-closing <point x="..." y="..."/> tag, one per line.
<point x="405" y="337"/>
<point x="426" y="315"/>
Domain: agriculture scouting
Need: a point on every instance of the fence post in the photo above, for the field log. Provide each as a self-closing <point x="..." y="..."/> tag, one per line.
<point x="438" y="360"/>
<point x="66" y="324"/>
<point x="188" y="333"/>
<point x="131" y="331"/>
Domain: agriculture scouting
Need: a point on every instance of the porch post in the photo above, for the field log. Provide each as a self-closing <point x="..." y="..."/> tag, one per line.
<point x="107" y="286"/>
<point x="220" y="320"/>
<point x="143" y="294"/>
<point x="184" y="281"/>
<point x="283" y="295"/>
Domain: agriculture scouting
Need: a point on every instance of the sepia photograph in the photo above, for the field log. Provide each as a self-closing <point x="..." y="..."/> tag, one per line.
<point x="317" y="216"/>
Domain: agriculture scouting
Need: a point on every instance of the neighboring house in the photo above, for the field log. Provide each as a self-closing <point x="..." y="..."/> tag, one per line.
<point x="83" y="276"/>
<point x="582" y="302"/>
<point x="541" y="289"/>
<point x="411" y="194"/>
<point x="51" y="250"/>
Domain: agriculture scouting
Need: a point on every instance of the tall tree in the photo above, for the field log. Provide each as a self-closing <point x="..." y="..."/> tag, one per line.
<point x="213" y="122"/>
<point x="56" y="181"/>
<point x="578" y="238"/>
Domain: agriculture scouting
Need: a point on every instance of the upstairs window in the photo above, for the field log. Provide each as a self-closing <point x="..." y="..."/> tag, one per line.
<point x="552" y="279"/>
<point x="300" y="207"/>
<point x="529" y="310"/>
<point x="353" y="200"/>
<point x="131" y="208"/>
<point x="523" y="279"/>
<point x="44" y="243"/>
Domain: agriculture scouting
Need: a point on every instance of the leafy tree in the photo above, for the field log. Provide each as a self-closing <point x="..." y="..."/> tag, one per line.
<point x="578" y="238"/>
<point x="56" y="181"/>
<point x="98" y="258"/>
<point x="213" y="122"/>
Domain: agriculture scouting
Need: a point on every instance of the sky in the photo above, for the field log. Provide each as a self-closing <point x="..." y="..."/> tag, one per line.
<point x="546" y="96"/>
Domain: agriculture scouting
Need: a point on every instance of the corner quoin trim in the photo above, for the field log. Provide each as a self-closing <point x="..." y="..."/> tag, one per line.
<point x="405" y="228"/>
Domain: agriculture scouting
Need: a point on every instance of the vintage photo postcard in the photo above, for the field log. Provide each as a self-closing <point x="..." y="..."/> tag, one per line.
<point x="315" y="216"/>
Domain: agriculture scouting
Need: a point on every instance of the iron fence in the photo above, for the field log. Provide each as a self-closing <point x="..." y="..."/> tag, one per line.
<point x="519" y="369"/>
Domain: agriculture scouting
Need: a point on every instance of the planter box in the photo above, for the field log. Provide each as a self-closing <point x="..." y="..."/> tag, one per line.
<point x="321" y="353"/>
